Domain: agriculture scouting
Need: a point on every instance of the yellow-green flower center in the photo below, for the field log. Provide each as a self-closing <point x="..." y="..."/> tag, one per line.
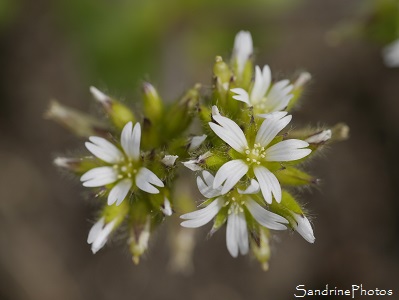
<point x="126" y="169"/>
<point x="255" y="155"/>
<point x="234" y="202"/>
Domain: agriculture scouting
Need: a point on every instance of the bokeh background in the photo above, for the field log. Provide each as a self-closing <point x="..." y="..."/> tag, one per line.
<point x="57" y="49"/>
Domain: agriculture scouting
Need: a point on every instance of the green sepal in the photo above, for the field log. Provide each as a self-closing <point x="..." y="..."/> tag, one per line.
<point x="294" y="177"/>
<point x="112" y="212"/>
<point x="261" y="247"/>
<point x="215" y="161"/>
<point x="179" y="116"/>
<point x="78" y="166"/>
<point x="79" y="123"/>
<point x="153" y="105"/>
<point x="222" y="76"/>
<point x="120" y="114"/>
<point x="243" y="80"/>
<point x="220" y="219"/>
<point x="286" y="207"/>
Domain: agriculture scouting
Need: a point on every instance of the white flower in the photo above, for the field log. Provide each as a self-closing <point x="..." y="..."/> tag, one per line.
<point x="264" y="97"/>
<point x="243" y="49"/>
<point x="256" y="156"/>
<point x="236" y="201"/>
<point x="99" y="233"/>
<point x="303" y="227"/>
<point x="123" y="167"/>
<point x="320" y="137"/>
<point x="390" y="54"/>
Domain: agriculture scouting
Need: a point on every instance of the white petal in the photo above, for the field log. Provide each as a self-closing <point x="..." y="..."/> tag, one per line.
<point x="196" y="141"/>
<point x="261" y="84"/>
<point x="192" y="165"/>
<point x="99" y="176"/>
<point x="265" y="217"/>
<point x="202" y="216"/>
<point x="102" y="237"/>
<point x="242" y="231"/>
<point x="242" y="95"/>
<point x="229" y="132"/>
<point x="104" y="150"/>
<point x="268" y="184"/>
<point x="206" y="188"/>
<point x="209" y="178"/>
<point x="169" y="160"/>
<point x="273" y="115"/>
<point x="279" y="95"/>
<point x="130" y="140"/>
<point x="253" y="188"/>
<point x="230" y="173"/>
<point x="270" y="128"/>
<point x="287" y="150"/>
<point x="95" y="230"/>
<point x="320" y="137"/>
<point x="98" y="95"/>
<point x="231" y="235"/>
<point x="304" y="228"/>
<point x="215" y="111"/>
<point x="145" y="178"/>
<point x="166" y="207"/>
<point x="119" y="191"/>
<point x="242" y="49"/>
<point x="303" y="78"/>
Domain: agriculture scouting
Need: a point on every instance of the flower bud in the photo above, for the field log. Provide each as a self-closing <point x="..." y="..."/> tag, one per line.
<point x="294" y="177"/>
<point x="291" y="210"/>
<point x="139" y="238"/>
<point x="79" y="123"/>
<point x="242" y="52"/>
<point x="153" y="107"/>
<point x="319" y="137"/>
<point x="340" y="132"/>
<point x="76" y="165"/>
<point x="222" y="78"/>
<point x="261" y="247"/>
<point x="180" y="114"/>
<point x="119" y="113"/>
<point x="299" y="86"/>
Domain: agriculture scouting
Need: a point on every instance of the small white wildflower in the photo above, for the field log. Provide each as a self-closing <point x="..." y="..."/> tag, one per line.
<point x="256" y="156"/>
<point x="264" y="97"/>
<point x="99" y="233"/>
<point x="122" y="167"/>
<point x="237" y="232"/>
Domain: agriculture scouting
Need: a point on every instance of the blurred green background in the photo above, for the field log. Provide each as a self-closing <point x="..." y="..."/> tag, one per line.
<point x="57" y="49"/>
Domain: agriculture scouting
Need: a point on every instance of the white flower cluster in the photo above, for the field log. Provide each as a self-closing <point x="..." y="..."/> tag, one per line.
<point x="249" y="166"/>
<point x="245" y="158"/>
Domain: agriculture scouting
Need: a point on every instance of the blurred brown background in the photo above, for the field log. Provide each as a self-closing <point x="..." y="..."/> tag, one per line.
<point x="56" y="49"/>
